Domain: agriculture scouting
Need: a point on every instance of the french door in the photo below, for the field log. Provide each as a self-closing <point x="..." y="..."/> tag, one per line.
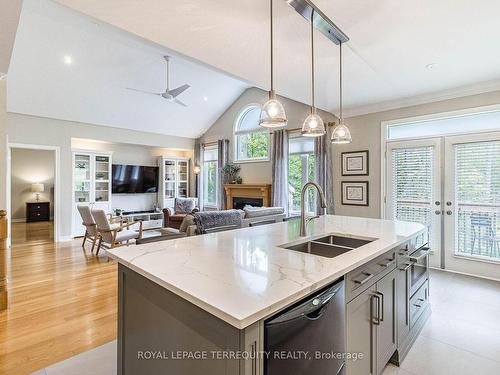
<point x="451" y="184"/>
<point x="413" y="188"/>
<point x="472" y="211"/>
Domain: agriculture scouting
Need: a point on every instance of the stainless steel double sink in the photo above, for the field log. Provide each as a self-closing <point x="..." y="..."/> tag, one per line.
<point x="329" y="246"/>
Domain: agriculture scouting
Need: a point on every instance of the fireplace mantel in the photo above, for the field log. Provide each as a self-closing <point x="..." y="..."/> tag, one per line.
<point x="262" y="191"/>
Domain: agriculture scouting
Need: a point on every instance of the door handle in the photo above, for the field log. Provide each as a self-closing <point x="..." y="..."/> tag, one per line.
<point x="381" y="307"/>
<point x="375" y="320"/>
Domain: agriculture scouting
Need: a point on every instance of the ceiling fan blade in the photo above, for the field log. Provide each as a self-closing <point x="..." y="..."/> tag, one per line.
<point x="179" y="90"/>
<point x="180" y="103"/>
<point x="143" y="91"/>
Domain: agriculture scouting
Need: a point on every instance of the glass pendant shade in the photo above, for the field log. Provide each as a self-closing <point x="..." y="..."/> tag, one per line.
<point x="313" y="125"/>
<point x="272" y="114"/>
<point x="341" y="134"/>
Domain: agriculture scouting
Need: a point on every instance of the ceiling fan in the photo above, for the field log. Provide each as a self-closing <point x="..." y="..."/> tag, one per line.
<point x="170" y="95"/>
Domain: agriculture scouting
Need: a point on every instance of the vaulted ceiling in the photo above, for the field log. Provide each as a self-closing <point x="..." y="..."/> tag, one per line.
<point x="400" y="53"/>
<point x="392" y="43"/>
<point x="67" y="66"/>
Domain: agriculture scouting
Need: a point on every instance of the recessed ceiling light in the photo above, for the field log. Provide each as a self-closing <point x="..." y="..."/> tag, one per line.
<point x="431" y="66"/>
<point x="68" y="60"/>
<point x="205" y="99"/>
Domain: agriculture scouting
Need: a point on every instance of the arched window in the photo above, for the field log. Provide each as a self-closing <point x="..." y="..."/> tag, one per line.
<point x="251" y="142"/>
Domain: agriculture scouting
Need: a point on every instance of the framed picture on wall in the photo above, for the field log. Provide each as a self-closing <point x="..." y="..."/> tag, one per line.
<point x="355" y="193"/>
<point x="355" y="163"/>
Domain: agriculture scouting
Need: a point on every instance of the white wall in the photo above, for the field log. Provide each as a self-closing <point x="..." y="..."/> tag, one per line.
<point x="259" y="172"/>
<point x="27" y="167"/>
<point x="366" y="135"/>
<point x="133" y="155"/>
<point x="3" y="145"/>
<point x="51" y="132"/>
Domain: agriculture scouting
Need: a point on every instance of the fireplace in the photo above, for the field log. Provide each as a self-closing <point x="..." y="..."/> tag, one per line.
<point x="237" y="195"/>
<point x="240" y="202"/>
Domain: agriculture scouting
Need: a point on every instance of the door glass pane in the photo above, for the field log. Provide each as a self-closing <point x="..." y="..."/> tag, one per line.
<point x="82" y="168"/>
<point x="81" y="176"/>
<point x="102" y="168"/>
<point x="82" y="191"/>
<point x="169" y="170"/>
<point x="170" y="190"/>
<point x="412" y="186"/>
<point x="183" y="190"/>
<point x="477" y="189"/>
<point x="183" y="171"/>
<point x="101" y="191"/>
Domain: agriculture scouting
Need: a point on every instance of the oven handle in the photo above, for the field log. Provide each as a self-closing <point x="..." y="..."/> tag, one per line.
<point x="424" y="252"/>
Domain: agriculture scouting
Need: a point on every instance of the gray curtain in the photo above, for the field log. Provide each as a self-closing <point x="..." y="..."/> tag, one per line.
<point x="198" y="160"/>
<point x="279" y="163"/>
<point x="223" y="158"/>
<point x="323" y="170"/>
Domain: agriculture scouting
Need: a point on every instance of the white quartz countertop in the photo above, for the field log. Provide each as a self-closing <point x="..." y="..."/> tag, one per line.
<point x="242" y="276"/>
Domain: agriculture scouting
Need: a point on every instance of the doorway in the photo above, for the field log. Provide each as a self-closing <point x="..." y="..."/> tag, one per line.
<point x="33" y="194"/>
<point x="451" y="184"/>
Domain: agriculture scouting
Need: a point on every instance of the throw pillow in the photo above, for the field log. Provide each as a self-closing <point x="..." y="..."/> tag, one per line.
<point x="184" y="205"/>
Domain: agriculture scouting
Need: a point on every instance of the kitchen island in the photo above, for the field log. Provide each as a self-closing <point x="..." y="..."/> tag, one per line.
<point x="198" y="304"/>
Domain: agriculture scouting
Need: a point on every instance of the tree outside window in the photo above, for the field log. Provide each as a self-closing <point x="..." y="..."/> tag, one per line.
<point x="210" y="171"/>
<point x="251" y="142"/>
<point x="301" y="161"/>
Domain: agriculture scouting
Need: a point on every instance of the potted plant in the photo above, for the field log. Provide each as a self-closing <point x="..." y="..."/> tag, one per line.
<point x="230" y="171"/>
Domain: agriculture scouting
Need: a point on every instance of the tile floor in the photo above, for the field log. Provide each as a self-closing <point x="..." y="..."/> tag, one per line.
<point x="461" y="337"/>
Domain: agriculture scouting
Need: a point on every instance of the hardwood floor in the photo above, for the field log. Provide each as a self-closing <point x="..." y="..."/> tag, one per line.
<point x="62" y="301"/>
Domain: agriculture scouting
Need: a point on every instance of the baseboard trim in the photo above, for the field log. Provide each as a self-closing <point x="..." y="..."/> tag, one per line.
<point x="465" y="274"/>
<point x="65" y="239"/>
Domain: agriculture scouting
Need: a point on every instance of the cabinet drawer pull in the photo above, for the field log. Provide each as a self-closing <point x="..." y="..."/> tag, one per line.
<point x="406" y="267"/>
<point x="417" y="305"/>
<point x="385" y="265"/>
<point x="367" y="277"/>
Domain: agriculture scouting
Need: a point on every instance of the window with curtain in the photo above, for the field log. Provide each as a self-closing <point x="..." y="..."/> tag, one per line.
<point x="251" y="142"/>
<point x="210" y="172"/>
<point x="300" y="170"/>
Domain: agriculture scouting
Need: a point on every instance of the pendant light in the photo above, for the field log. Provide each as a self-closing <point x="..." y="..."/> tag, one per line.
<point x="272" y="114"/>
<point x="341" y="133"/>
<point x="313" y="125"/>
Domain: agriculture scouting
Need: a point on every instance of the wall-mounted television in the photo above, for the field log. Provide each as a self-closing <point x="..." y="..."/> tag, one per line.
<point x="134" y="179"/>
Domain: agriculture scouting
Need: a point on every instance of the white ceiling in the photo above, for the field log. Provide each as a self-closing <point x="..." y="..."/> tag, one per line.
<point x="105" y="61"/>
<point x="392" y="41"/>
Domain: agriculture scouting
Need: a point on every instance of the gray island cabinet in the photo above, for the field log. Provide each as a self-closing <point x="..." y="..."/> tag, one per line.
<point x="200" y="305"/>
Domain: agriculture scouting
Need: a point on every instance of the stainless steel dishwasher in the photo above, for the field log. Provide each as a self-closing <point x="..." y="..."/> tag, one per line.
<point x="308" y="337"/>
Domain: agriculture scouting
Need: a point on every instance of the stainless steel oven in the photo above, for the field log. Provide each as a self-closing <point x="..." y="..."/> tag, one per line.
<point x="416" y="262"/>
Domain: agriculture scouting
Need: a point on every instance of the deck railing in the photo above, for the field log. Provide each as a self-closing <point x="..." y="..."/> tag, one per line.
<point x="478" y="230"/>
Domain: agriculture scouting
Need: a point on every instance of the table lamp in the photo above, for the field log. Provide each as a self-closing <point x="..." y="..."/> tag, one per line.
<point x="37" y="188"/>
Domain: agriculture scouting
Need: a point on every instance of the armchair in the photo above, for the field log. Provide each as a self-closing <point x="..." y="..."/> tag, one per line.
<point x="114" y="236"/>
<point x="91" y="232"/>
<point x="172" y="217"/>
